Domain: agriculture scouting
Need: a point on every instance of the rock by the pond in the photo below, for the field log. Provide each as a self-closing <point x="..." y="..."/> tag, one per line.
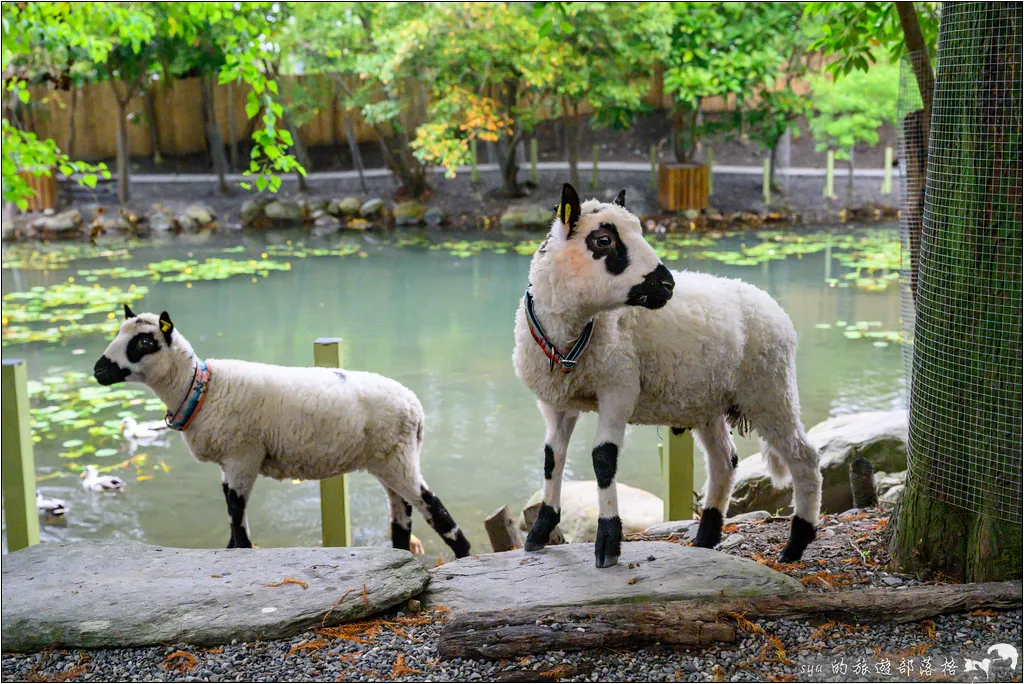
<point x="202" y="213"/>
<point x="110" y="222"/>
<point x="64" y="224"/>
<point x="893" y="494"/>
<point x="879" y="436"/>
<point x="688" y="528"/>
<point x="638" y="509"/>
<point x="886" y="481"/>
<point x="371" y="207"/>
<point x="160" y="222"/>
<point x="123" y="593"/>
<point x="284" y="211"/>
<point x="326" y="224"/>
<point x="315" y="204"/>
<point x="252" y="209"/>
<point x="346" y="206"/>
<point x="408" y="213"/>
<point x="434" y="216"/>
<point x="527" y="216"/>
<point x="565" y="575"/>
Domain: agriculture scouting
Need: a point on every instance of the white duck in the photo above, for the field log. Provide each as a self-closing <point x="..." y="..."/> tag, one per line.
<point x="53" y="508"/>
<point x="94" y="482"/>
<point x="144" y="432"/>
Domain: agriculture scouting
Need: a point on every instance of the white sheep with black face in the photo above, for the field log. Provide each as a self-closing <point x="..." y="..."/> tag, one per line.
<point x="682" y="349"/>
<point x="257" y="419"/>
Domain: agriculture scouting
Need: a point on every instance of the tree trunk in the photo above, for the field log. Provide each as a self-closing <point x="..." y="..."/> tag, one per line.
<point x="214" y="143"/>
<point x="232" y="127"/>
<point x="961" y="510"/>
<point x="684" y="122"/>
<point x="301" y="155"/>
<point x="154" y="133"/>
<point x="353" y="148"/>
<point x="123" y="193"/>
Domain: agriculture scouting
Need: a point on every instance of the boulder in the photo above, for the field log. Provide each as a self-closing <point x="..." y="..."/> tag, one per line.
<point x="434" y="217"/>
<point x="252" y="209"/>
<point x="893" y="494"/>
<point x="110" y="222"/>
<point x="346" y="206"/>
<point x="200" y="212"/>
<point x="284" y="211"/>
<point x="160" y="222"/>
<point x="408" y="213"/>
<point x="565" y="575"/>
<point x="527" y="216"/>
<point x="314" y="205"/>
<point x="880" y="436"/>
<point x="638" y="509"/>
<point x="325" y="225"/>
<point x="122" y="593"/>
<point x="64" y="224"/>
<point x="688" y="528"/>
<point x="886" y="481"/>
<point x="371" y="207"/>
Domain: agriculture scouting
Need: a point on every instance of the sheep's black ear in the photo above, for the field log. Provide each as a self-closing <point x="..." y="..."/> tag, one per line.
<point x="620" y="199"/>
<point x="166" y="327"/>
<point x="128" y="313"/>
<point x="569" y="208"/>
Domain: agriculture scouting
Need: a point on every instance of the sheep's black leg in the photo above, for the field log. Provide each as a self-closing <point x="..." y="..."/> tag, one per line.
<point x="442" y="522"/>
<point x="236" y="514"/>
<point x="608" y="545"/>
<point x="559" y="429"/>
<point x="720" y="455"/>
<point x="401" y="521"/>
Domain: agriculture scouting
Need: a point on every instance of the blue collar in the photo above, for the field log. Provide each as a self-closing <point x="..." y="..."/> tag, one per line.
<point x="193" y="400"/>
<point x="567" y="362"/>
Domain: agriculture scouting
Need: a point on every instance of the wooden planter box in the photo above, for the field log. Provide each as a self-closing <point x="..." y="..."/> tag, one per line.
<point x="45" y="187"/>
<point x="683" y="186"/>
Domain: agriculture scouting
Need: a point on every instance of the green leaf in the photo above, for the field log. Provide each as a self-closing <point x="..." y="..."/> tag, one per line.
<point x="89" y="180"/>
<point x="261" y="183"/>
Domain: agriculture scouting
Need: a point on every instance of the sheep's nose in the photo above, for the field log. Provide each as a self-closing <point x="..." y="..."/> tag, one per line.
<point x="664" y="277"/>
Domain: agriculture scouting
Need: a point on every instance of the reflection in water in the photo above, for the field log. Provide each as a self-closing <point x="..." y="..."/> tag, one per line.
<point x="442" y="325"/>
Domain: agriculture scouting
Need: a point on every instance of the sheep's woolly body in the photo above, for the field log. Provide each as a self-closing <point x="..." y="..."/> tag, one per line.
<point x="711" y="353"/>
<point x="306" y="423"/>
<point x="283" y="422"/>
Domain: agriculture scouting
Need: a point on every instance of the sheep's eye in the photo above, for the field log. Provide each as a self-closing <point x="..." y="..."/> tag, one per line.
<point x="147" y="343"/>
<point x="604" y="242"/>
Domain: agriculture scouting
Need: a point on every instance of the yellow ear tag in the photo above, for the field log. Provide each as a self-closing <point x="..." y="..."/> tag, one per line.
<point x="566" y="211"/>
<point x="165" y="326"/>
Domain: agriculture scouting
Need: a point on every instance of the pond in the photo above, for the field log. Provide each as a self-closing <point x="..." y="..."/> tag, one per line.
<point x="435" y="314"/>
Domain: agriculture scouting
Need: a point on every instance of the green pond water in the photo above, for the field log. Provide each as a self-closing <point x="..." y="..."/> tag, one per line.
<point x="434" y="314"/>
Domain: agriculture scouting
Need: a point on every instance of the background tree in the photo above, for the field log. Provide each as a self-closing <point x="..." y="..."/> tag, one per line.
<point x="852" y="110"/>
<point x="960" y="514"/>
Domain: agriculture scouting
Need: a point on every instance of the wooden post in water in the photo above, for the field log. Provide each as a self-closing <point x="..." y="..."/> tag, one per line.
<point x="711" y="171"/>
<point x="677" y="475"/>
<point x="766" y="181"/>
<point x="474" y="173"/>
<point x="593" y="169"/>
<point x="887" y="173"/>
<point x="335" y="518"/>
<point x="16" y="459"/>
<point x="533" y="160"/>
<point x="830" y="167"/>
<point x="654" y="167"/>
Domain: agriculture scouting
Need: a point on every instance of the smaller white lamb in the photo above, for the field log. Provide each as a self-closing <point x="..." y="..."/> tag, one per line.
<point x="307" y="423"/>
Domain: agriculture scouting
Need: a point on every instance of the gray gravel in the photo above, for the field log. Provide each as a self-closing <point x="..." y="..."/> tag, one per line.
<point x="755" y="658"/>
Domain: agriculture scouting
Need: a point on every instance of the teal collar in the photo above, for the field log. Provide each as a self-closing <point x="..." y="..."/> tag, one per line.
<point x="193" y="401"/>
<point x="567" y="362"/>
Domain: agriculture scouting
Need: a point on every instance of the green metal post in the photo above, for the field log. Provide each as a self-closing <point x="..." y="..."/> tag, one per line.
<point x="654" y="167"/>
<point x="830" y="167"/>
<point x="711" y="170"/>
<point x="593" y="170"/>
<point x="474" y="173"/>
<point x="533" y="160"/>
<point x="766" y="181"/>
<point x="335" y="518"/>
<point x="677" y="475"/>
<point x="16" y="459"/>
<point x="887" y="177"/>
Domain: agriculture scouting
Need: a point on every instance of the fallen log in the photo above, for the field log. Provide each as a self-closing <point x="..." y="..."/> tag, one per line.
<point x="524" y="631"/>
<point x="502" y="530"/>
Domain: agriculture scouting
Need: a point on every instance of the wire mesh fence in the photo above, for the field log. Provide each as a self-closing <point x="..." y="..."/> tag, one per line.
<point x="964" y="305"/>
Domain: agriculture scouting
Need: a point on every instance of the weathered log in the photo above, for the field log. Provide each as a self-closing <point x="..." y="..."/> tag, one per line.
<point x="530" y="516"/>
<point x="522" y="631"/>
<point x="502" y="531"/>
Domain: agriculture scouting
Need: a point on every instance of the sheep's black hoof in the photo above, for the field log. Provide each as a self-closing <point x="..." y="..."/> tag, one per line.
<point x="801" y="533"/>
<point x="460" y="546"/>
<point x="546" y="520"/>
<point x="609" y="542"/>
<point x="709" y="532"/>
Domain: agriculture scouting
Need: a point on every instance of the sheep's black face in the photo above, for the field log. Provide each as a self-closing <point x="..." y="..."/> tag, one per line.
<point x="655" y="290"/>
<point x="136" y="348"/>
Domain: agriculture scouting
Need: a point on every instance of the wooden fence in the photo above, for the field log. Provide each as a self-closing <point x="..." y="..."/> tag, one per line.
<point x="178" y="114"/>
